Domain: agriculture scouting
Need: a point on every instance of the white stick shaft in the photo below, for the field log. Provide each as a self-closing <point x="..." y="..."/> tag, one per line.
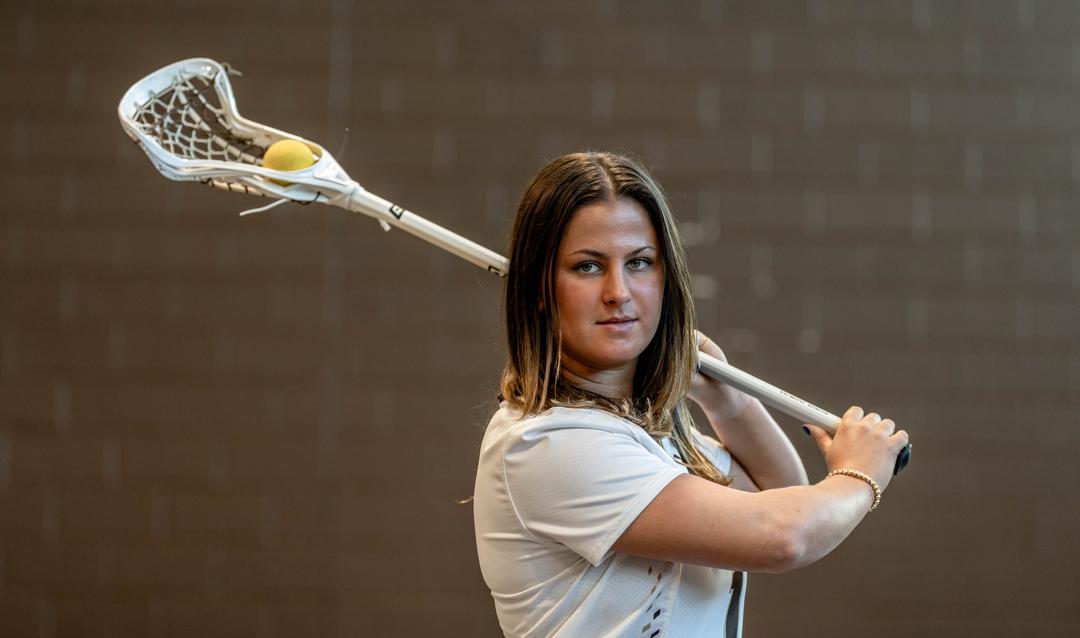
<point x="371" y="204"/>
<point x="767" y="393"/>
<point x="362" y="201"/>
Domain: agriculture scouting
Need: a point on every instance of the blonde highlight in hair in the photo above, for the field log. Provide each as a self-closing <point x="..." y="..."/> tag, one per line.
<point x="532" y="380"/>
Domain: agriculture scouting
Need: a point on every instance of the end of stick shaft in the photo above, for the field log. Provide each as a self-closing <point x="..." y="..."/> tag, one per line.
<point x="902" y="459"/>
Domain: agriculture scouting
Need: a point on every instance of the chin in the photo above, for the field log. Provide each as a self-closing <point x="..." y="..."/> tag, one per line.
<point x="612" y="359"/>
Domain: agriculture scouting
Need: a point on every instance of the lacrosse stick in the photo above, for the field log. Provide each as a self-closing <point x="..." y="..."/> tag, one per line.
<point x="184" y="117"/>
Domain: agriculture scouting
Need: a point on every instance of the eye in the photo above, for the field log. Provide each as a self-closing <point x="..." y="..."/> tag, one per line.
<point x="640" y="263"/>
<point x="587" y="267"/>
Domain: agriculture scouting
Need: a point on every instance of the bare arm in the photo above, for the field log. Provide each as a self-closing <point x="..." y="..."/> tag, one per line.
<point x="696" y="521"/>
<point x="754" y="438"/>
<point x="747" y="430"/>
<point x="740" y="478"/>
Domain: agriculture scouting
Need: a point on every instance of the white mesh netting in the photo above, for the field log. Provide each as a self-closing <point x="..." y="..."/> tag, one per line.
<point x="187" y="120"/>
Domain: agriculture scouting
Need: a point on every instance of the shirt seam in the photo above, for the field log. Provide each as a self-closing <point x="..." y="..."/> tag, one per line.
<point x="510" y="496"/>
<point x="664" y="480"/>
<point x="506" y="483"/>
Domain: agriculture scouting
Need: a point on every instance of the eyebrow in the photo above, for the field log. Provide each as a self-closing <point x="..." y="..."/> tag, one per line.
<point x="597" y="253"/>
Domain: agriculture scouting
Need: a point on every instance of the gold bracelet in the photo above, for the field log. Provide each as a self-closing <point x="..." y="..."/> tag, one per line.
<point x="866" y="477"/>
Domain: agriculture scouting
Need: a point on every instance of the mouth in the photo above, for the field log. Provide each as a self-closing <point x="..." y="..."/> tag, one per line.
<point x="615" y="322"/>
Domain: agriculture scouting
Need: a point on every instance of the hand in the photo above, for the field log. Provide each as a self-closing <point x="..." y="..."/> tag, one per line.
<point x="863" y="442"/>
<point x="715" y="397"/>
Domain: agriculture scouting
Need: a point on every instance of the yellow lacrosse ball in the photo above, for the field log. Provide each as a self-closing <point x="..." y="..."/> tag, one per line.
<point x="287" y="155"/>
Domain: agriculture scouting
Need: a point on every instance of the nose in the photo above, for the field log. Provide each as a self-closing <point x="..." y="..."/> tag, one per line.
<point x="616" y="292"/>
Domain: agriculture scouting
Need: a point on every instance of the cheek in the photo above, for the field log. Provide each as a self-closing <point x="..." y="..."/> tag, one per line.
<point x="653" y="294"/>
<point x="570" y="300"/>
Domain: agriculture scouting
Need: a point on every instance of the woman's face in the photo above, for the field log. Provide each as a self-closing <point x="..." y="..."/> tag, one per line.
<point x="609" y="286"/>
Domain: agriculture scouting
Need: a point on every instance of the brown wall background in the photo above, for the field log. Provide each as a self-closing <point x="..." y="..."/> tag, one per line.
<point x="258" y="427"/>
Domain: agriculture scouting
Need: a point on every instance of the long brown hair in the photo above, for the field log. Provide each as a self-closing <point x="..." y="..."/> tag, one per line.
<point x="532" y="380"/>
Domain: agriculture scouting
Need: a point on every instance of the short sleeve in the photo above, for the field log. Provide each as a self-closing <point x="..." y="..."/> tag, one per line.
<point x="582" y="481"/>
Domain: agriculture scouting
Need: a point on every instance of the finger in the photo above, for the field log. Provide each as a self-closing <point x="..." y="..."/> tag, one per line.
<point x="708" y="346"/>
<point x="873" y="418"/>
<point x="854" y="413"/>
<point x="898" y="440"/>
<point x="888" y="425"/>
<point x="820" y="437"/>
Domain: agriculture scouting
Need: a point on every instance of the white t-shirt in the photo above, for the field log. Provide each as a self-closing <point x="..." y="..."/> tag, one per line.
<point x="553" y="493"/>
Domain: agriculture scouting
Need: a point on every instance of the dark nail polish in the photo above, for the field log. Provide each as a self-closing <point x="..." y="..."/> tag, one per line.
<point x="806" y="429"/>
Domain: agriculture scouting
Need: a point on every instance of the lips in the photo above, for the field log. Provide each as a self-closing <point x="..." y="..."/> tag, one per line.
<point x="616" y="321"/>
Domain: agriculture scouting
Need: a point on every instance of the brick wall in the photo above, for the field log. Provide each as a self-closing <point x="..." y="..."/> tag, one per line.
<point x="260" y="426"/>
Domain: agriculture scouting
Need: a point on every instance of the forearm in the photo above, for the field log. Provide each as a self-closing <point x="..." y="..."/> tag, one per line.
<point x="761" y="447"/>
<point x="821" y="516"/>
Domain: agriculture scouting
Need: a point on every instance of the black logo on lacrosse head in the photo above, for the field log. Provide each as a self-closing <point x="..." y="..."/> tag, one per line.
<point x="396" y="211"/>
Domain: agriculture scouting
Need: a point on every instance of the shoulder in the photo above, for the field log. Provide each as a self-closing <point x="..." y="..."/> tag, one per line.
<point x="509" y="424"/>
<point x="563" y="434"/>
<point x="588" y="418"/>
<point x="577" y="476"/>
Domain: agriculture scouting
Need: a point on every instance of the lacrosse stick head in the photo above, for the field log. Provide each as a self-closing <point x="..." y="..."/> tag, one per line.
<point x="184" y="117"/>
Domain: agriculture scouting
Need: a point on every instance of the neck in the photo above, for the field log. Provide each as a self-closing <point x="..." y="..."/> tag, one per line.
<point x="611" y="383"/>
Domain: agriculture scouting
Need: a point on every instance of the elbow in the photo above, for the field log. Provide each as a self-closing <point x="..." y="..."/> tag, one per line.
<point x="788" y="551"/>
<point x="786" y="556"/>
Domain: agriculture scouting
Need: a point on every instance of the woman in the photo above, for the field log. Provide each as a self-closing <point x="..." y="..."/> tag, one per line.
<point x="600" y="510"/>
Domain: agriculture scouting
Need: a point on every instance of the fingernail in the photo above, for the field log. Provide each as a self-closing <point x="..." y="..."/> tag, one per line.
<point x="806" y="429"/>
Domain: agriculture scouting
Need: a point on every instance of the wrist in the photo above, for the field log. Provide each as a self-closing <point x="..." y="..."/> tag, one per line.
<point x="862" y="476"/>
